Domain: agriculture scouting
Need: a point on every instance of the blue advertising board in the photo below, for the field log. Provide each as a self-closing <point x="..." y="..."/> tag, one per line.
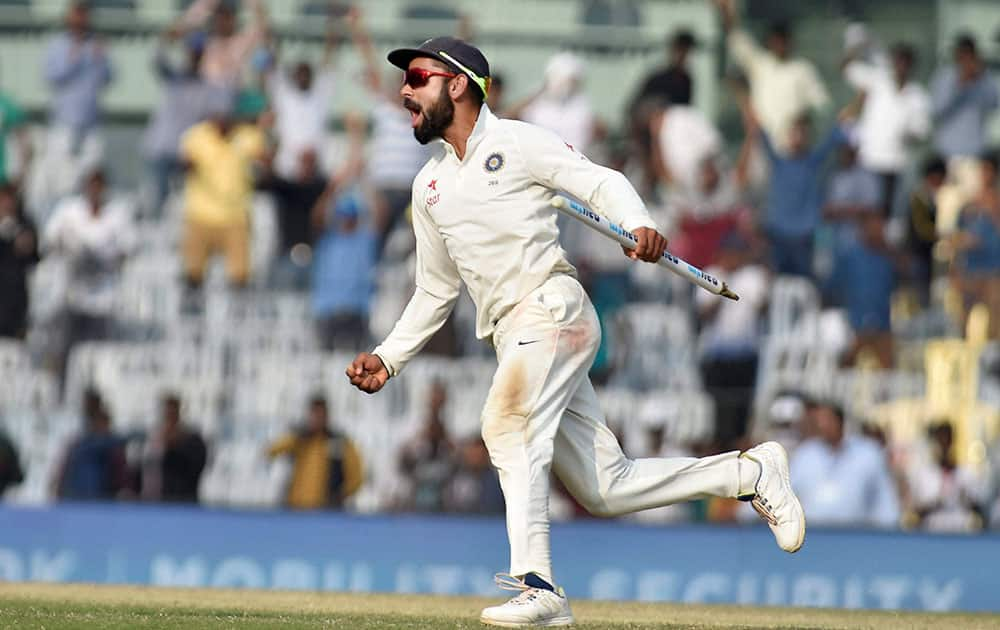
<point x="178" y="546"/>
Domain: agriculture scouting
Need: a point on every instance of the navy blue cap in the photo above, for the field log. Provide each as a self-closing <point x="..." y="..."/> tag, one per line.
<point x="452" y="52"/>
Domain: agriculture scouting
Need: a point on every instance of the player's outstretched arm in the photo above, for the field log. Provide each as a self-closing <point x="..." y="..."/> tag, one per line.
<point x="367" y="372"/>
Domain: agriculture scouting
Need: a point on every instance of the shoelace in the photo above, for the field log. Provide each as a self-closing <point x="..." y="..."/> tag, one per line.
<point x="763" y="508"/>
<point x="508" y="582"/>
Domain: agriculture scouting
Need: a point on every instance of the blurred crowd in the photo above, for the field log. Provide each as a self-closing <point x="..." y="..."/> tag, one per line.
<point x="888" y="205"/>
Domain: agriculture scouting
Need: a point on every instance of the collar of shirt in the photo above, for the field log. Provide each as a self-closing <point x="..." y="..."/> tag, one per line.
<point x="484" y="123"/>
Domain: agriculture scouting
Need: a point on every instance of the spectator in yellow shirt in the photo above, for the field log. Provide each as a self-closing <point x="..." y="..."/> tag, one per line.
<point x="326" y="464"/>
<point x="219" y="157"/>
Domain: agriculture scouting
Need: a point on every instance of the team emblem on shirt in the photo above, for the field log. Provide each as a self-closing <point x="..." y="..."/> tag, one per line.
<point x="494" y="162"/>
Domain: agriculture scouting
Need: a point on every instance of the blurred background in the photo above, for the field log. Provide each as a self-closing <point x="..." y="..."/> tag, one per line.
<point x="204" y="215"/>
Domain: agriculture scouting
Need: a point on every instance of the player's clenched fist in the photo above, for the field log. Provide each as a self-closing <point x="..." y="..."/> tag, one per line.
<point x="367" y="372"/>
<point x="650" y="246"/>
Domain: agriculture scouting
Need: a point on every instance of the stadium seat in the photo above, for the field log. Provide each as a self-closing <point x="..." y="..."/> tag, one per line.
<point x="688" y="417"/>
<point x="657" y="349"/>
<point x="792" y="363"/>
<point x="793" y="307"/>
<point x="47" y="286"/>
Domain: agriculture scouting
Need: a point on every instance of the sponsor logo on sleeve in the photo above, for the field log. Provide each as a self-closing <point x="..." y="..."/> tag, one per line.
<point x="433" y="196"/>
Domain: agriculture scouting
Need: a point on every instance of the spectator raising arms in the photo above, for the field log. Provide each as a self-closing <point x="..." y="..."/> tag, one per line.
<point x="895" y="116"/>
<point x="227" y="50"/>
<point x="187" y="100"/>
<point x="219" y="157"/>
<point x="77" y="70"/>
<point x="326" y="465"/>
<point x="396" y="155"/>
<point x="783" y="88"/>
<point x="794" y="197"/>
<point x="301" y="98"/>
<point x="964" y="95"/>
<point x="344" y="265"/>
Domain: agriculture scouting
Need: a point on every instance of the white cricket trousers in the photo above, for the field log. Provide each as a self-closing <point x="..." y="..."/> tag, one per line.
<point x="542" y="413"/>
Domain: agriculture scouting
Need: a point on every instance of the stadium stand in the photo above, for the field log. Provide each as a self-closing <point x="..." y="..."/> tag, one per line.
<point x="246" y="362"/>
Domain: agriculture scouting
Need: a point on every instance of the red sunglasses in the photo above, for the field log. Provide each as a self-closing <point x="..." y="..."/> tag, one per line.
<point x="418" y="77"/>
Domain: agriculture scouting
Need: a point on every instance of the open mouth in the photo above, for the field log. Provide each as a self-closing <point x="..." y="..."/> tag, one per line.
<point x="414" y="110"/>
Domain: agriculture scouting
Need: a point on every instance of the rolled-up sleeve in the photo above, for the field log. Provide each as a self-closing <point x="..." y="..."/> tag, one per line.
<point x="555" y="164"/>
<point x="437" y="287"/>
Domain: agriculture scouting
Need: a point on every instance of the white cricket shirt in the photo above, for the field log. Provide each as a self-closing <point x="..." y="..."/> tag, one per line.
<point x="486" y="221"/>
<point x="892" y="118"/>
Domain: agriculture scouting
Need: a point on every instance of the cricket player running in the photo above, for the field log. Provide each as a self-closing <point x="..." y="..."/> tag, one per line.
<point x="481" y="216"/>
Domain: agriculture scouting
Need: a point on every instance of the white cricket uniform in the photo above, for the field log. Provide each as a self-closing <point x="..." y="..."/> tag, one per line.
<point x="486" y="221"/>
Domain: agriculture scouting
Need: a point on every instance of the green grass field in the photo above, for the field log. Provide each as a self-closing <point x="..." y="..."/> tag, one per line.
<point x="54" y="607"/>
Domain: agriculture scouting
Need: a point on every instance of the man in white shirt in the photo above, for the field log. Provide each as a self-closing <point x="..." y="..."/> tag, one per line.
<point x="843" y="478"/>
<point x="782" y="87"/>
<point x="482" y="215"/>
<point x="896" y="114"/>
<point x="94" y="234"/>
<point x="300" y="100"/>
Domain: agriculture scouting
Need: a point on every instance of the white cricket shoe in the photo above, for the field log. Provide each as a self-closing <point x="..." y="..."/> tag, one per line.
<point x="532" y="607"/>
<point x="774" y="499"/>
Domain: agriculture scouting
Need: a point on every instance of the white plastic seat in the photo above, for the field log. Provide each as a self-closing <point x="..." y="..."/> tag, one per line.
<point x="794" y="307"/>
<point x="656" y="348"/>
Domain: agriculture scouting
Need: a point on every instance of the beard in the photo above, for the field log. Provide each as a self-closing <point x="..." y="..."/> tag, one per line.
<point x="437" y="117"/>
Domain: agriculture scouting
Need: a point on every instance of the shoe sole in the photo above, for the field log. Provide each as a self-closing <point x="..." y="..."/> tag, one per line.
<point x="781" y="459"/>
<point x="547" y="623"/>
